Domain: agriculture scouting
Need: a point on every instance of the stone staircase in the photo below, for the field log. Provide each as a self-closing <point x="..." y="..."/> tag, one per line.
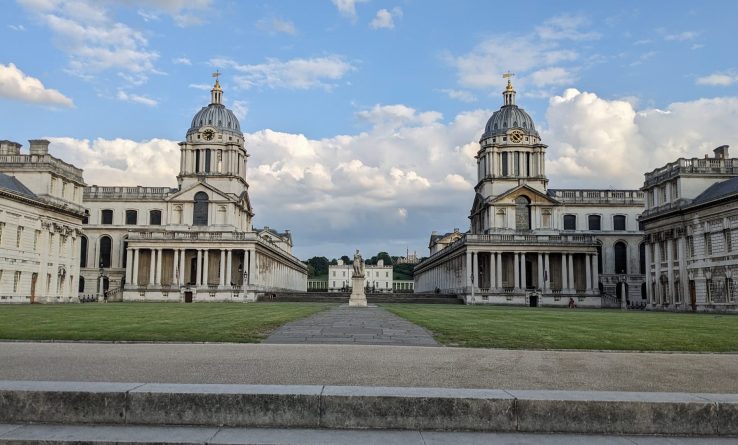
<point x="342" y="297"/>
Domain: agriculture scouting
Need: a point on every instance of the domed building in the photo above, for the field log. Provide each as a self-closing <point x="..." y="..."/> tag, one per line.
<point x="531" y="245"/>
<point x="191" y="243"/>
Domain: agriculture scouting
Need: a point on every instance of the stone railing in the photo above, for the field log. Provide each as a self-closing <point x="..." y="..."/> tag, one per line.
<point x="192" y="236"/>
<point x="691" y="166"/>
<point x="591" y="196"/>
<point x="96" y="192"/>
<point x="530" y="239"/>
<point x="32" y="162"/>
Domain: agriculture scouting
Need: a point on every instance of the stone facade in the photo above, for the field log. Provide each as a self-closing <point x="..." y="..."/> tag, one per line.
<point x="40" y="220"/>
<point x="192" y="243"/>
<point x="532" y="245"/>
<point x="378" y="278"/>
<point x="690" y="222"/>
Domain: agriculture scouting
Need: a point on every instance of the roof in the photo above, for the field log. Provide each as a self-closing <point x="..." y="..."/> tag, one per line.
<point x="716" y="191"/>
<point x="285" y="235"/>
<point x="14" y="185"/>
<point x="508" y="117"/>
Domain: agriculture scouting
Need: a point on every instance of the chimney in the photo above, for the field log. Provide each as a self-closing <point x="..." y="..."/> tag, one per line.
<point x="39" y="146"/>
<point x="9" y="148"/>
<point x="721" y="152"/>
<point x="434" y="233"/>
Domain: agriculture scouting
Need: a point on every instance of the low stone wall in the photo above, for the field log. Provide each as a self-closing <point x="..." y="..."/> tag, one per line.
<point x="341" y="407"/>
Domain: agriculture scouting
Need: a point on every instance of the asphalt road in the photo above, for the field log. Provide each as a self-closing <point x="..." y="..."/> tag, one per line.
<point x="369" y="365"/>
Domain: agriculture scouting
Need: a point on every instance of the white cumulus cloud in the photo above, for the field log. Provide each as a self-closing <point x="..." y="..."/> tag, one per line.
<point x="347" y="8"/>
<point x="16" y="85"/>
<point x="136" y="98"/>
<point x="718" y="79"/>
<point x="385" y="19"/>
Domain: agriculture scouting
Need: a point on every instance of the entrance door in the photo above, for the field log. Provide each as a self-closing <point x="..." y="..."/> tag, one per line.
<point x="33" y="287"/>
<point x="692" y="295"/>
<point x="188" y="297"/>
<point x="533" y="300"/>
<point x="193" y="271"/>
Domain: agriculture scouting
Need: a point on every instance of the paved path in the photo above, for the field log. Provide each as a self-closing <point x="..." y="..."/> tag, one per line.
<point x="358" y="326"/>
<point x="369" y="366"/>
<point x="154" y="434"/>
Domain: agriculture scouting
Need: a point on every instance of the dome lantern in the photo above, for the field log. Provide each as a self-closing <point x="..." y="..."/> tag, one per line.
<point x="216" y="115"/>
<point x="509" y="93"/>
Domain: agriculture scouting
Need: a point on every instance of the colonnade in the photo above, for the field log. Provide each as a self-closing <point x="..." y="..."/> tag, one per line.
<point x="493" y="163"/>
<point x="195" y="160"/>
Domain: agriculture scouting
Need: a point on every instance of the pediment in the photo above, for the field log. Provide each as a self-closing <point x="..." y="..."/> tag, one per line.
<point x="535" y="196"/>
<point x="188" y="194"/>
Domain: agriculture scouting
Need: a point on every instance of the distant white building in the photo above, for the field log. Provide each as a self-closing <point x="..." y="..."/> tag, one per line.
<point x="691" y="226"/>
<point x="40" y="220"/>
<point x="378" y="278"/>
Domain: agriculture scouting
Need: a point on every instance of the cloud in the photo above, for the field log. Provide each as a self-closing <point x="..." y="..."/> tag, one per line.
<point x="718" y="79"/>
<point x="276" y="25"/>
<point x="182" y="61"/>
<point x="19" y="28"/>
<point x="347" y="8"/>
<point x="91" y="38"/>
<point x="240" y="108"/>
<point x="538" y="58"/>
<point x="16" y="85"/>
<point x="201" y="86"/>
<point x="184" y="13"/>
<point x="599" y="143"/>
<point x="682" y="36"/>
<point x="385" y="19"/>
<point x="461" y="95"/>
<point x="296" y="74"/>
<point x="135" y="98"/>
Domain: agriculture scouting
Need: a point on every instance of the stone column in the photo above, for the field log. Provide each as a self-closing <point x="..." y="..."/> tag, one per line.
<point x="523" y="272"/>
<point x="649" y="293"/>
<point x="158" y="267"/>
<point x="539" y="266"/>
<point x="152" y="266"/>
<point x="588" y="272"/>
<point x="670" y="268"/>
<point x="205" y="267"/>
<point x="475" y="258"/>
<point x="498" y="275"/>
<point x="252" y="265"/>
<point x="657" y="298"/>
<point x="683" y="278"/>
<point x="547" y="276"/>
<point x="492" y="271"/>
<point x="469" y="269"/>
<point x="229" y="266"/>
<point x="595" y="274"/>
<point x="129" y="266"/>
<point x="564" y="274"/>
<point x="134" y="278"/>
<point x="175" y="266"/>
<point x="181" y="271"/>
<point x="221" y="281"/>
<point x="571" y="272"/>
<point x="198" y="278"/>
<point x="516" y="268"/>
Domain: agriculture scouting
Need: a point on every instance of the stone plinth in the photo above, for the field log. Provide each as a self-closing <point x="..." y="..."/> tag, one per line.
<point x="358" y="297"/>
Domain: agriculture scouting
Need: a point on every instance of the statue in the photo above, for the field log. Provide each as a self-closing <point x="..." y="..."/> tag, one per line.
<point x="358" y="264"/>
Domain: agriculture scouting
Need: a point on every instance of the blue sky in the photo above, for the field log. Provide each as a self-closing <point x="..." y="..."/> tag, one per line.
<point x="362" y="116"/>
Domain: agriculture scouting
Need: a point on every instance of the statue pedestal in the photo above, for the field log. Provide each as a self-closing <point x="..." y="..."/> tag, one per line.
<point x="358" y="297"/>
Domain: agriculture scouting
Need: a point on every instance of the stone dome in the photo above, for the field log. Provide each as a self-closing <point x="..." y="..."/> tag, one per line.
<point x="508" y="117"/>
<point x="217" y="116"/>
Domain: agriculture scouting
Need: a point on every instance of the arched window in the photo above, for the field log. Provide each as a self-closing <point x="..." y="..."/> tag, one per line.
<point x="200" y="215"/>
<point x="504" y="164"/>
<point x="621" y="258"/>
<point x="642" y="259"/>
<point x="83" y="252"/>
<point x="106" y="245"/>
<point x="81" y="287"/>
<point x="155" y="217"/>
<point x="522" y="213"/>
<point x="131" y="217"/>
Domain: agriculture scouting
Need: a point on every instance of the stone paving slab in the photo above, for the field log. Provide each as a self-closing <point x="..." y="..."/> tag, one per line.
<point x="137" y="434"/>
<point x="357" y="326"/>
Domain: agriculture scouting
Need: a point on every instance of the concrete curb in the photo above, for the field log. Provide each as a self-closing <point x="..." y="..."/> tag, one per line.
<point x="357" y="407"/>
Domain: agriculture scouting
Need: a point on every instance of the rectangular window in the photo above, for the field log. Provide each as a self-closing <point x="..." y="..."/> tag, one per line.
<point x="674" y="190"/>
<point x="570" y="222"/>
<point x="19" y="237"/>
<point x="593" y="222"/>
<point x="131" y="217"/>
<point x="708" y="244"/>
<point x="516" y="164"/>
<point x="155" y="217"/>
<point x="16" y="281"/>
<point x="618" y="222"/>
<point x="106" y="217"/>
<point x="663" y="195"/>
<point x="728" y="241"/>
<point x="690" y="247"/>
<point x="505" y="166"/>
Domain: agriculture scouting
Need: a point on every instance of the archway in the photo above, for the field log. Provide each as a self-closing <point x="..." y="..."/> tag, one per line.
<point x="106" y="245"/>
<point x="200" y="214"/>
<point x="522" y="213"/>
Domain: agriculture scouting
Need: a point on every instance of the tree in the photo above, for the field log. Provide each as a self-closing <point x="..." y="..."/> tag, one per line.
<point x="346" y="260"/>
<point x="319" y="264"/>
<point x="384" y="256"/>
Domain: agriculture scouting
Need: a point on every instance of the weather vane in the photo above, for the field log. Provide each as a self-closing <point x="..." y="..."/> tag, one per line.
<point x="216" y="74"/>
<point x="508" y="75"/>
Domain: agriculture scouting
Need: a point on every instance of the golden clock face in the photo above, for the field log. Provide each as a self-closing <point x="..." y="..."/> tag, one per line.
<point x="516" y="136"/>
<point x="208" y="134"/>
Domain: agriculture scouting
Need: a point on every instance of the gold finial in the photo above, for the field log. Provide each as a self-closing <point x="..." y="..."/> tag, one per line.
<point x="217" y="74"/>
<point x="507" y="76"/>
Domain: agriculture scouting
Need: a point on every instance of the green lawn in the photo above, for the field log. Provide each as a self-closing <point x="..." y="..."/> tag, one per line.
<point x="213" y="322"/>
<point x="542" y="328"/>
